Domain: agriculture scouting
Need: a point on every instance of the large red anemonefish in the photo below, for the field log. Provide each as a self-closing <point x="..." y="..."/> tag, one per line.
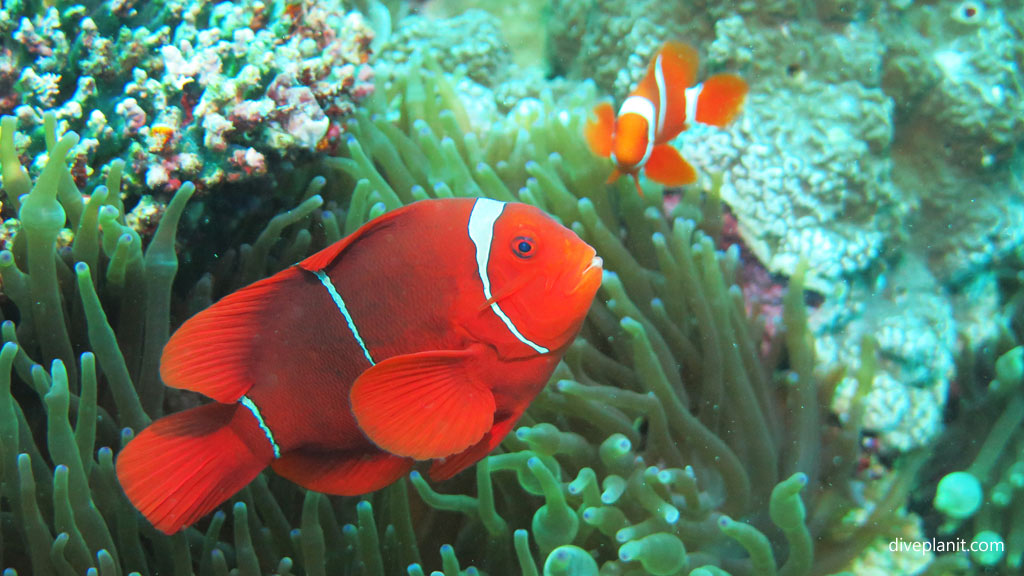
<point x="422" y="336"/>
<point x="665" y="103"/>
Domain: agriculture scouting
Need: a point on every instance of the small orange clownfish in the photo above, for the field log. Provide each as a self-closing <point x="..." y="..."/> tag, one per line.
<point x="422" y="336"/>
<point x="665" y="103"/>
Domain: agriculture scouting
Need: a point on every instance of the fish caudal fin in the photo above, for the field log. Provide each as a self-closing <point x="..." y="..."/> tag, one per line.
<point x="668" y="167"/>
<point x="342" y="473"/>
<point x="720" y="100"/>
<point x="598" y="132"/>
<point x="424" y="405"/>
<point x="211" y="353"/>
<point x="184" y="465"/>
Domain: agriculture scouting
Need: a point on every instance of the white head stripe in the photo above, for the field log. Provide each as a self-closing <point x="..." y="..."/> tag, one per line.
<point x="692" y="95"/>
<point x="481" y="231"/>
<point x="659" y="77"/>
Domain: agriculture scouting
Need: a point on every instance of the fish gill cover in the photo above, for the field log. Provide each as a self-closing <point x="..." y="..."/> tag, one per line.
<point x="707" y="421"/>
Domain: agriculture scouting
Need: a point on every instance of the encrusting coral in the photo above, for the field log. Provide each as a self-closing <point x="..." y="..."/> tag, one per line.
<point x="665" y="444"/>
<point x="200" y="91"/>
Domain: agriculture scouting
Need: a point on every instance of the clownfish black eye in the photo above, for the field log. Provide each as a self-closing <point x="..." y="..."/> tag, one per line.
<point x="523" y="247"/>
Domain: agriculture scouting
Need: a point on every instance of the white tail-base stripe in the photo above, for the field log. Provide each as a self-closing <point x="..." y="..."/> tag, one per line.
<point x="326" y="281"/>
<point x="481" y="231"/>
<point x="692" y="94"/>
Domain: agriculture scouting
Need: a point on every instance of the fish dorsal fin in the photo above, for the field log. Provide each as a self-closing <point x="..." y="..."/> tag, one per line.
<point x="720" y="100"/>
<point x="423" y="405"/>
<point x="668" y="167"/>
<point x="679" y="63"/>
<point x="327" y="256"/>
<point x="342" y="473"/>
<point x="599" y="131"/>
<point x="212" y="351"/>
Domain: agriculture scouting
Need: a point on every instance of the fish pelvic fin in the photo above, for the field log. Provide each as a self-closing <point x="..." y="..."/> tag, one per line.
<point x="445" y="468"/>
<point x="184" y="465"/>
<point x="636" y="181"/>
<point x="721" y="98"/>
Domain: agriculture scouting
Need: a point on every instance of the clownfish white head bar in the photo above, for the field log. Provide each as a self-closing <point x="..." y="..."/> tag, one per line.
<point x="481" y="231"/>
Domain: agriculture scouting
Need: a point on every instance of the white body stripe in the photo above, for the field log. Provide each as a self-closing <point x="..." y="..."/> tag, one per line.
<point x="481" y="231"/>
<point x="659" y="77"/>
<point x="692" y="95"/>
<point x="645" y="108"/>
<point x="326" y="281"/>
<point x="248" y="403"/>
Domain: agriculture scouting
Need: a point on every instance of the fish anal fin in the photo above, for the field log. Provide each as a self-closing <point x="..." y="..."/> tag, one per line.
<point x="342" y="473"/>
<point x="444" y="469"/>
<point x="184" y="465"/>
<point x="598" y="131"/>
<point x="720" y="100"/>
<point x="212" y="351"/>
<point x="424" y="405"/>
<point x="668" y="167"/>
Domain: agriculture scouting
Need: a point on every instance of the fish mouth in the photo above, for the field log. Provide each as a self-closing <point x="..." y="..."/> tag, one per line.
<point x="587" y="276"/>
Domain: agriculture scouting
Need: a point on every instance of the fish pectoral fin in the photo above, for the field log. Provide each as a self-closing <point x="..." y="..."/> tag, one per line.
<point x="668" y="167"/>
<point x="424" y="405"/>
<point x="348" y="473"/>
<point x="598" y="132"/>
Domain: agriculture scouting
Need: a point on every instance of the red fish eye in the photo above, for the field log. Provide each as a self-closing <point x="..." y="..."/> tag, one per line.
<point x="523" y="247"/>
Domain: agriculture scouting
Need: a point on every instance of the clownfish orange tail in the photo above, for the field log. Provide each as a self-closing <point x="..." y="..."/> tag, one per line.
<point x="598" y="131"/>
<point x="184" y="465"/>
<point x="720" y="100"/>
